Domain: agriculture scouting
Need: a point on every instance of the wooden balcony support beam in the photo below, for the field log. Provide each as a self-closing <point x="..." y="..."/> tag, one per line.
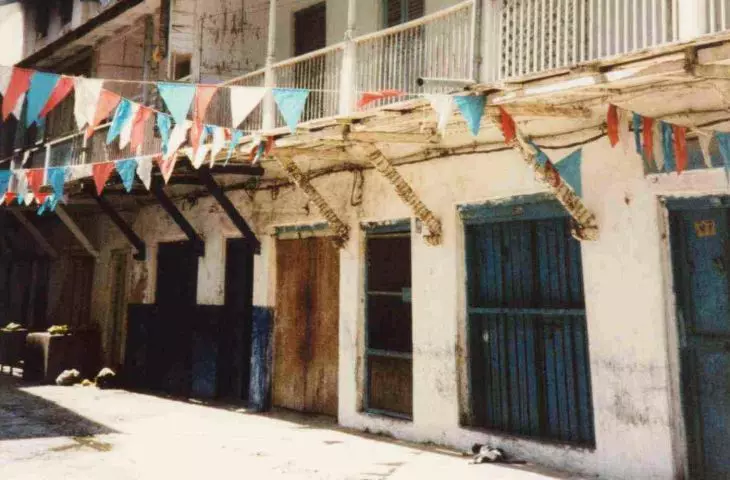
<point x="167" y="204"/>
<point x="122" y="225"/>
<point x="340" y="228"/>
<point x="392" y="137"/>
<point x="373" y="155"/>
<point x="76" y="231"/>
<point x="585" y="226"/>
<point x="217" y="192"/>
<point x="37" y="235"/>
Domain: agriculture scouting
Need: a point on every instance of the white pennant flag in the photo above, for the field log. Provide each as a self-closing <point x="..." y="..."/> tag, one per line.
<point x="144" y="171"/>
<point x="243" y="101"/>
<point x="81" y="171"/>
<point x="443" y="105"/>
<point x="125" y="135"/>
<point x="88" y="91"/>
<point x="624" y="134"/>
<point x="200" y="155"/>
<point x="219" y="143"/>
<point x="704" y="139"/>
<point x="658" y="146"/>
<point x="22" y="187"/>
<point x="18" y="111"/>
<point x="177" y="137"/>
<point x="6" y="73"/>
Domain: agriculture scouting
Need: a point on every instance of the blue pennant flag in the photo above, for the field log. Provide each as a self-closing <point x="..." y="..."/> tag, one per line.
<point x="471" y="108"/>
<point x="636" y="122"/>
<point x="163" y="125"/>
<point x="291" y="103"/>
<point x="126" y="170"/>
<point x="569" y="170"/>
<point x="178" y="97"/>
<point x="57" y="179"/>
<point x="236" y="136"/>
<point x="541" y="158"/>
<point x="668" y="147"/>
<point x="5" y="176"/>
<point x="723" y="144"/>
<point x="49" y="205"/>
<point x="206" y="132"/>
<point x="40" y="90"/>
<point x="122" y="115"/>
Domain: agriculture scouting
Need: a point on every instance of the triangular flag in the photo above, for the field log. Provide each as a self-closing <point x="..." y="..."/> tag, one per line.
<point x="443" y="105"/>
<point x="48" y="205"/>
<point x="163" y="125"/>
<point x="178" y="97"/>
<point x="167" y="165"/>
<point x="680" y="147"/>
<point x="219" y="143"/>
<point x="623" y="129"/>
<point x="704" y="140"/>
<point x="236" y="136"/>
<point x="509" y="127"/>
<point x="18" y="112"/>
<point x="243" y="101"/>
<point x="177" y="137"/>
<point x="471" y="108"/>
<point x="569" y="169"/>
<point x="101" y="172"/>
<point x="40" y="198"/>
<point x="41" y="87"/>
<point x="122" y="116"/>
<point x="612" y="125"/>
<point x="5" y="176"/>
<point x="647" y="130"/>
<point x="9" y="197"/>
<point x="203" y="96"/>
<point x="19" y="84"/>
<point x="108" y="101"/>
<point x="199" y="156"/>
<point x="540" y="156"/>
<point x="125" y="136"/>
<point x="636" y="125"/>
<point x="144" y="171"/>
<point x="57" y="179"/>
<point x="34" y="177"/>
<point x="723" y="144"/>
<point x="668" y="147"/>
<point x="63" y="88"/>
<point x="370" y="97"/>
<point x="658" y="146"/>
<point x="88" y="91"/>
<point x="126" y="170"/>
<point x="21" y="188"/>
<point x="138" y="127"/>
<point x="291" y="102"/>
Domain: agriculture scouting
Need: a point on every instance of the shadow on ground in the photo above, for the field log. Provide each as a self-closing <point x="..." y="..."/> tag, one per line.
<point x="26" y="416"/>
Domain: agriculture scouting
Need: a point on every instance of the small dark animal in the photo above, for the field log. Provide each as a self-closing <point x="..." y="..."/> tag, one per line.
<point x="487" y="454"/>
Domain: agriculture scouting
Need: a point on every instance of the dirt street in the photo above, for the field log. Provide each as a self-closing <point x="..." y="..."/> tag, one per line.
<point x="49" y="432"/>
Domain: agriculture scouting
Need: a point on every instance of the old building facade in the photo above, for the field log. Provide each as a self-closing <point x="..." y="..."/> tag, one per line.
<point x="424" y="283"/>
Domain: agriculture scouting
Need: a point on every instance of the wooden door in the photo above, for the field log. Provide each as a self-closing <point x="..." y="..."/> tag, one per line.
<point x="306" y="326"/>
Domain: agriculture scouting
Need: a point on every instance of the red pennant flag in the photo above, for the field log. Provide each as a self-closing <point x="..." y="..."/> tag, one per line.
<point x="62" y="90"/>
<point x="648" y="133"/>
<point x="369" y="97"/>
<point x="196" y="129"/>
<point x="108" y="101"/>
<point x="203" y="96"/>
<point x="139" y="122"/>
<point x="167" y="165"/>
<point x="612" y="122"/>
<point x="40" y="198"/>
<point x="509" y="129"/>
<point x="34" y="178"/>
<point x="680" y="147"/>
<point x="101" y="172"/>
<point x="19" y="84"/>
<point x="9" y="197"/>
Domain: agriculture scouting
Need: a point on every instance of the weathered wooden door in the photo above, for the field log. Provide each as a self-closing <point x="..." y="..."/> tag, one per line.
<point x="117" y="305"/>
<point x="701" y="260"/>
<point x="306" y="325"/>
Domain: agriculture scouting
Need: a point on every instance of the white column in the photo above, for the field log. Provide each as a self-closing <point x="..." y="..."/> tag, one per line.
<point x="269" y="76"/>
<point x="348" y="77"/>
<point x="490" y="51"/>
<point x="693" y="18"/>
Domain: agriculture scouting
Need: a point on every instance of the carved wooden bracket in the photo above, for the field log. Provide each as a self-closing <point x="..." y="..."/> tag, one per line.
<point x="341" y="230"/>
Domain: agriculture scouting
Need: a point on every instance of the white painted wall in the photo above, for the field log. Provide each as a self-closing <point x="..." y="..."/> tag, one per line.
<point x="11" y="33"/>
<point x="628" y="323"/>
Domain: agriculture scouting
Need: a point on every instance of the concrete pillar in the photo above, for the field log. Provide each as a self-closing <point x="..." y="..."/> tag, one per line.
<point x="269" y="75"/>
<point x="348" y="77"/>
<point x="692" y="19"/>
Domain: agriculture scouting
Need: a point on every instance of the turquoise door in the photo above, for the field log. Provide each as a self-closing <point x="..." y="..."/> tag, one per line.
<point x="700" y="259"/>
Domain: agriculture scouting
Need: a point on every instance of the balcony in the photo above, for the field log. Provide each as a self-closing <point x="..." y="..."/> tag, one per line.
<point x="501" y="42"/>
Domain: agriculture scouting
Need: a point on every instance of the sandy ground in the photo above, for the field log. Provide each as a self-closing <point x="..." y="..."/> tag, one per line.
<point x="49" y="432"/>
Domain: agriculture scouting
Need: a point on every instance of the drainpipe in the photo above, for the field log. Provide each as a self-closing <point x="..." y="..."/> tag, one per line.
<point x="269" y="76"/>
<point x="348" y="75"/>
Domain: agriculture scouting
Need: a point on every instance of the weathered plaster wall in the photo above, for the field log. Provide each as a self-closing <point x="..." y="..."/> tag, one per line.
<point x="12" y="35"/>
<point x="625" y="288"/>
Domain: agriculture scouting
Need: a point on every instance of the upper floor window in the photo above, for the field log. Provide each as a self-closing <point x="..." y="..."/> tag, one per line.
<point x="396" y="12"/>
<point x="42" y="19"/>
<point x="65" y="11"/>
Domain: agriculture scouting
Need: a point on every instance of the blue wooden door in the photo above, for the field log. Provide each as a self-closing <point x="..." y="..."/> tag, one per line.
<point x="700" y="259"/>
